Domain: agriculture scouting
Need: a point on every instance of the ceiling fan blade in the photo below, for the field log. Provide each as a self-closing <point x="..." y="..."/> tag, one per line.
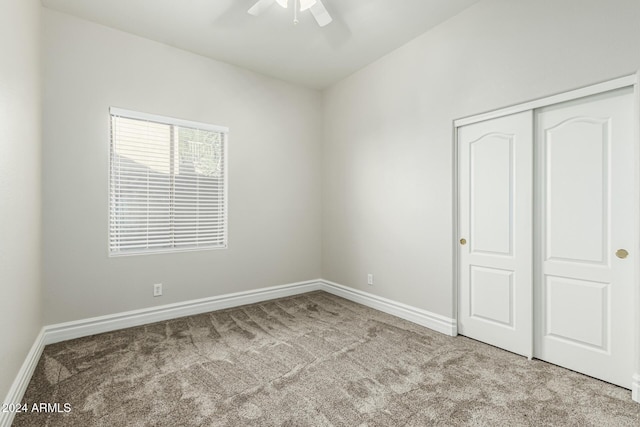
<point x="259" y="7"/>
<point x="320" y="13"/>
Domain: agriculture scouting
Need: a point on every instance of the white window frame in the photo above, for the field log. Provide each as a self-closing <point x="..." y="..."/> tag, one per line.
<point x="114" y="111"/>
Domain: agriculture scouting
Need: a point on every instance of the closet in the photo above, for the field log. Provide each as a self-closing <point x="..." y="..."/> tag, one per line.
<point x="546" y="231"/>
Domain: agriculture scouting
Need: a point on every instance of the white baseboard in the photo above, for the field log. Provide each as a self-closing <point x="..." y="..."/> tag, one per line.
<point x="16" y="392"/>
<point x="112" y="322"/>
<point x="635" y="388"/>
<point x="128" y="319"/>
<point x="437" y="322"/>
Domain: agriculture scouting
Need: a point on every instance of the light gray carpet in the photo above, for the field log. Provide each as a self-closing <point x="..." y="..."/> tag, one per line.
<point x="313" y="359"/>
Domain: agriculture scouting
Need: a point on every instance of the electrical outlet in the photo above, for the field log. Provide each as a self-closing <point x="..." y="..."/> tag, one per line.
<point x="157" y="290"/>
<point x="370" y="279"/>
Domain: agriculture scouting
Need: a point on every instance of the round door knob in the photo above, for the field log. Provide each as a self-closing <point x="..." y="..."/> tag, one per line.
<point x="622" y="253"/>
<point x="463" y="242"/>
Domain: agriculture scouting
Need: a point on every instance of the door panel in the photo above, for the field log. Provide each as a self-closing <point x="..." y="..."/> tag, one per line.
<point x="584" y="294"/>
<point x="491" y="183"/>
<point x="492" y="295"/>
<point x="589" y="321"/>
<point x="577" y="208"/>
<point x="495" y="185"/>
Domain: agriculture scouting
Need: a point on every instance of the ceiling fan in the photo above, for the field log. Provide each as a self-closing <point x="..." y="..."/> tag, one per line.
<point x="316" y="7"/>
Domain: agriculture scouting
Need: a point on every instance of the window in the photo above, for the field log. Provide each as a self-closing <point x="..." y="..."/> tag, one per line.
<point x="167" y="186"/>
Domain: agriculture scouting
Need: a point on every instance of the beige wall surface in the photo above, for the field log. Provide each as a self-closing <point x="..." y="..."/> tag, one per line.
<point x="274" y="171"/>
<point x="388" y="152"/>
<point x="20" y="105"/>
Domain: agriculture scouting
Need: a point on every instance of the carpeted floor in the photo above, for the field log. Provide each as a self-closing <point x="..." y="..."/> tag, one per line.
<point x="314" y="359"/>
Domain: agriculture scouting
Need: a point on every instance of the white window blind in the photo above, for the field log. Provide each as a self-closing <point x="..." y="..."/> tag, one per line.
<point x="167" y="185"/>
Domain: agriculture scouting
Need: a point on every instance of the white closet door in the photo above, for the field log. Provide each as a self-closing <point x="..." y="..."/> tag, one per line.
<point x="584" y="293"/>
<point x="495" y="206"/>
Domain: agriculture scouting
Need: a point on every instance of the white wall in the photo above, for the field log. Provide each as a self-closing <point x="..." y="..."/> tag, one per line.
<point x="274" y="171"/>
<point x="387" y="202"/>
<point x="20" y="104"/>
<point x="386" y="155"/>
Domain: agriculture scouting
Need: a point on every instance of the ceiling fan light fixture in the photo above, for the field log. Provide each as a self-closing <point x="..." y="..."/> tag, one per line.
<point x="306" y="4"/>
<point x="316" y="7"/>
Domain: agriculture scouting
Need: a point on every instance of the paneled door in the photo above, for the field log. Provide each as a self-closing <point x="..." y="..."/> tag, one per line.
<point x="584" y="285"/>
<point x="495" y="249"/>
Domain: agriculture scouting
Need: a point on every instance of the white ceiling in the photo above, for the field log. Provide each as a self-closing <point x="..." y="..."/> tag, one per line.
<point x="362" y="31"/>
